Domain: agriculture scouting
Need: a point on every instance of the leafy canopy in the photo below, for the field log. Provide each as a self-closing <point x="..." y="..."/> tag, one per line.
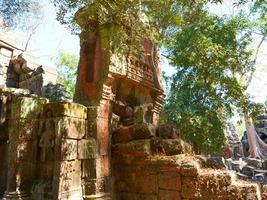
<point x="204" y="90"/>
<point x="67" y="70"/>
<point x="18" y="13"/>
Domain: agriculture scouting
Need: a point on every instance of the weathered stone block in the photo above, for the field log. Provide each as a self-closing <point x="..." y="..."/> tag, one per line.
<point x="138" y="183"/>
<point x="169" y="195"/>
<point x="62" y="109"/>
<point x="87" y="148"/>
<point x="71" y="128"/>
<point x="92" y="112"/>
<point x="143" y="184"/>
<point x="215" y="162"/>
<point x="190" y="168"/>
<point x="26" y="107"/>
<point x="135" y="132"/>
<point x="170" y="146"/>
<point x="23" y="129"/>
<point x="73" y="194"/>
<point x="68" y="150"/>
<point x="89" y="169"/>
<point x="169" y="169"/>
<point x="91" y="128"/>
<point x="170" y="181"/>
<point x="93" y="186"/>
<point x="134" y="148"/>
<point x="69" y="176"/>
<point x="190" y="188"/>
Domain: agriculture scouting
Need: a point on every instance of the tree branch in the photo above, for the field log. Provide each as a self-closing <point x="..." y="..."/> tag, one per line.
<point x="254" y="62"/>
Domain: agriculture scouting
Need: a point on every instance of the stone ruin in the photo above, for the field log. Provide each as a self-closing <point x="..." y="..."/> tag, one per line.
<point x="239" y="160"/>
<point x="107" y="145"/>
<point x="19" y="69"/>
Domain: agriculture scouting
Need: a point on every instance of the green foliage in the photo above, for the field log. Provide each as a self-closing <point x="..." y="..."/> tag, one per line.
<point x="67" y="70"/>
<point x="259" y="9"/>
<point x="210" y="54"/>
<point x="135" y="19"/>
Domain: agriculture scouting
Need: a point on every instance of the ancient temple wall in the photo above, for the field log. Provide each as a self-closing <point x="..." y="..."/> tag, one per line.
<point x="68" y="128"/>
<point x="22" y="146"/>
<point x="140" y="172"/>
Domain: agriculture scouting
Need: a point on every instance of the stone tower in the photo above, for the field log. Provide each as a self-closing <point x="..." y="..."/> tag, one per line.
<point x="111" y="85"/>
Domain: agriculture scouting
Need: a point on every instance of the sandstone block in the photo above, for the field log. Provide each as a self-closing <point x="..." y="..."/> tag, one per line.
<point x="169" y="146"/>
<point x="169" y="195"/>
<point x="72" y="128"/>
<point x="69" y="174"/>
<point x="169" y="181"/>
<point x="138" y="183"/>
<point x="135" y="132"/>
<point x="27" y="107"/>
<point x="143" y="184"/>
<point x="134" y="148"/>
<point x="63" y="109"/>
<point x="190" y="168"/>
<point x="87" y="148"/>
<point x="190" y="188"/>
<point x="23" y="129"/>
<point x="89" y="168"/>
<point x="68" y="150"/>
<point x="91" y="128"/>
<point x="93" y="186"/>
<point x="92" y="112"/>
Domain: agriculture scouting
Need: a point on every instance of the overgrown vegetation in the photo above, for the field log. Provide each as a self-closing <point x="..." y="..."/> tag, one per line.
<point x="67" y="64"/>
<point x="212" y="54"/>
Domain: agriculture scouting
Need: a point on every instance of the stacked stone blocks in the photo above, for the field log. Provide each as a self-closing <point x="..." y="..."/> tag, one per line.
<point x="23" y="127"/>
<point x="139" y="173"/>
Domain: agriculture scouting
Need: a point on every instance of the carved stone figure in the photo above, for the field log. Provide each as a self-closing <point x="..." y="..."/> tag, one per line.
<point x="47" y="140"/>
<point x="47" y="147"/>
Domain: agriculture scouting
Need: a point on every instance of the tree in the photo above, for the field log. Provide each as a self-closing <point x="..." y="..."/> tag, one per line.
<point x="210" y="54"/>
<point x="67" y="70"/>
<point x="16" y="13"/>
<point x="25" y="15"/>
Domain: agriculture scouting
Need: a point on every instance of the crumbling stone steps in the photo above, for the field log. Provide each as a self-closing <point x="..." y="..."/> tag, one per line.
<point x="206" y="186"/>
<point x="212" y="184"/>
<point x="140" y="174"/>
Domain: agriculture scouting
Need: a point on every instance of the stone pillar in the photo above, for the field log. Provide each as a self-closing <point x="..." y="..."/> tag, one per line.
<point x="22" y="146"/>
<point x="70" y="127"/>
<point x="96" y="165"/>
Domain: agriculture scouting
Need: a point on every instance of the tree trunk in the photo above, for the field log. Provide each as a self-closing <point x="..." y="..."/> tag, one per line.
<point x="257" y="148"/>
